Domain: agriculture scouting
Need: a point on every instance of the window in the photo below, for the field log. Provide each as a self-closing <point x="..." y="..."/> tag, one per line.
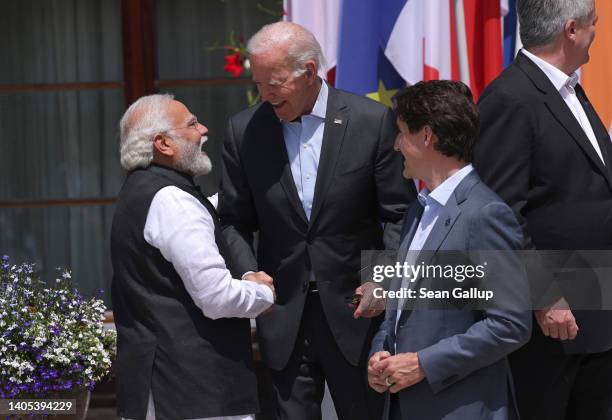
<point x="70" y="67"/>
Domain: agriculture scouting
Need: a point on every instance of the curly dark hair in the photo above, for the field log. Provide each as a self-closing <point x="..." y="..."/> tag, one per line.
<point x="448" y="108"/>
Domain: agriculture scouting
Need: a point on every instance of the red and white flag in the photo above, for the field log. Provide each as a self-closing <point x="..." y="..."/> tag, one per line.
<point x="322" y="18"/>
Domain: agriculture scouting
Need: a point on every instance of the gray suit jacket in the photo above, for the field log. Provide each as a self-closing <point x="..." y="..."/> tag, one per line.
<point x="463" y="352"/>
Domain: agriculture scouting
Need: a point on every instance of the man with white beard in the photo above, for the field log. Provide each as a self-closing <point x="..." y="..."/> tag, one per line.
<point x="184" y="348"/>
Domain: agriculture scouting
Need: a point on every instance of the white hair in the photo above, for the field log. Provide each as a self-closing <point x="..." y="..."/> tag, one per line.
<point x="301" y="44"/>
<point x="144" y="119"/>
<point x="542" y="20"/>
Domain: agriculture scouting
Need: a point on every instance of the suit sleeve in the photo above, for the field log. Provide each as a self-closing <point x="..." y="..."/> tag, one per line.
<point x="503" y="153"/>
<point x="503" y="328"/>
<point x="379" y="342"/>
<point x="236" y="208"/>
<point x="394" y="192"/>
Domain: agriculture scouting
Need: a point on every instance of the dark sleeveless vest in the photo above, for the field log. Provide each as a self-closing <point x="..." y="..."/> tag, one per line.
<point x="195" y="366"/>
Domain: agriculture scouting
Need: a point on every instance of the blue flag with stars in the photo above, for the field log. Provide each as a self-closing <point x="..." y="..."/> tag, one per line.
<point x="362" y="68"/>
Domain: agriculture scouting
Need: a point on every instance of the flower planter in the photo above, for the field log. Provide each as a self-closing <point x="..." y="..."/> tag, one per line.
<point x="52" y="339"/>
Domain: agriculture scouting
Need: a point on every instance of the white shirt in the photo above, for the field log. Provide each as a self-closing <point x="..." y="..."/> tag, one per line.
<point x="184" y="232"/>
<point x="565" y="85"/>
<point x="303" y="140"/>
<point x="151" y="414"/>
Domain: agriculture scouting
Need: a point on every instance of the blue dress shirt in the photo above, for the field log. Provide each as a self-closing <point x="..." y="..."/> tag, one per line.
<point x="303" y="140"/>
<point x="432" y="203"/>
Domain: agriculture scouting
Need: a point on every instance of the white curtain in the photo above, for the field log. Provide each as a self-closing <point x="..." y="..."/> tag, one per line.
<point x="60" y="144"/>
<point x="64" y="144"/>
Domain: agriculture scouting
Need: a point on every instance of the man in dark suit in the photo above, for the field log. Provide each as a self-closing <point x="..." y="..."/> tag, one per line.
<point x="312" y="169"/>
<point x="438" y="359"/>
<point x="544" y="150"/>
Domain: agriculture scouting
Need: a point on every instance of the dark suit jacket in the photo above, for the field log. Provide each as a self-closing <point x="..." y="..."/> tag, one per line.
<point x="463" y="352"/>
<point x="358" y="188"/>
<point x="533" y="152"/>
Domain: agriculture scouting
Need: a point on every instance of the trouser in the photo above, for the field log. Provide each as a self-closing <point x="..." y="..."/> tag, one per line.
<point x="316" y="359"/>
<point x="562" y="386"/>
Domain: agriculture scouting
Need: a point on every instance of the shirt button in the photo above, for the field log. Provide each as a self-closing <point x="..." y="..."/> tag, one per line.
<point x="305" y="146"/>
<point x="307" y="177"/>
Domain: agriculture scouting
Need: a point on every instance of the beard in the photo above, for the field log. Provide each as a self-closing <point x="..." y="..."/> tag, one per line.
<point x="192" y="159"/>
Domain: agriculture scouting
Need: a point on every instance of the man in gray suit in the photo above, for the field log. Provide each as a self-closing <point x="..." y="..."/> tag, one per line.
<point x="449" y="363"/>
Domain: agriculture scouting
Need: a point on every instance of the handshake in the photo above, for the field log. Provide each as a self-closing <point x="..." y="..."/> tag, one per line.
<point x="363" y="302"/>
<point x="261" y="277"/>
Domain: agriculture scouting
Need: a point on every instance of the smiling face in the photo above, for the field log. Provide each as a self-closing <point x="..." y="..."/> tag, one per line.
<point x="412" y="147"/>
<point x="291" y="95"/>
<point x="188" y="136"/>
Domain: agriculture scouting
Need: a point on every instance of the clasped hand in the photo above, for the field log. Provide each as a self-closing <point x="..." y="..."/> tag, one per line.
<point x="261" y="277"/>
<point x="394" y="373"/>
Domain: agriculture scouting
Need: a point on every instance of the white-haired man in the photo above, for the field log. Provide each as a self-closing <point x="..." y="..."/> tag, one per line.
<point x="544" y="150"/>
<point x="313" y="170"/>
<point x="184" y="348"/>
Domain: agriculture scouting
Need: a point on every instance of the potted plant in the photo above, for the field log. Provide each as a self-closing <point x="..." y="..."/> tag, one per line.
<point x="53" y="343"/>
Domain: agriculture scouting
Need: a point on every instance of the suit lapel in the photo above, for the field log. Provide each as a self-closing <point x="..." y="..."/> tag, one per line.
<point x="559" y="109"/>
<point x="601" y="133"/>
<point x="409" y="226"/>
<point x="447" y="218"/>
<point x="336" y="121"/>
<point x="448" y="215"/>
<point x="278" y="156"/>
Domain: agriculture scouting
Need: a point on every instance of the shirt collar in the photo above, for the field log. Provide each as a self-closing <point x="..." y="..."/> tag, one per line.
<point x="320" y="107"/>
<point x="556" y="76"/>
<point x="442" y="193"/>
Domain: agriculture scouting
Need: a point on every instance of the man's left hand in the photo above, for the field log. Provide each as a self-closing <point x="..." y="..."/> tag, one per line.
<point x="402" y="370"/>
<point x="369" y="305"/>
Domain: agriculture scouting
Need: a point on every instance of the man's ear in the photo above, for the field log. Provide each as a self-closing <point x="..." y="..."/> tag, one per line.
<point x="428" y="135"/>
<point x="569" y="29"/>
<point x="163" y="145"/>
<point x="311" y="71"/>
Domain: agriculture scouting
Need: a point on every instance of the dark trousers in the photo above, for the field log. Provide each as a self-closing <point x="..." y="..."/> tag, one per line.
<point x="395" y="412"/>
<point x="561" y="386"/>
<point x="316" y="359"/>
